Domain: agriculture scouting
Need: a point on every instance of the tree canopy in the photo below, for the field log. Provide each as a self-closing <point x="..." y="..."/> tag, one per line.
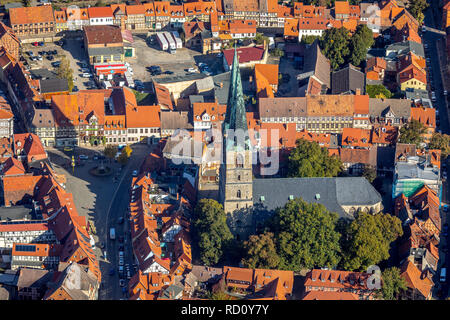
<point x="369" y="173"/>
<point x="360" y="43"/>
<point x="417" y="9"/>
<point x="211" y="230"/>
<point x="261" y="252"/>
<point x="378" y="91"/>
<point x="392" y="283"/>
<point x="334" y="44"/>
<point x="64" y="71"/>
<point x="308" y="159"/>
<point x="440" y="141"/>
<point x="306" y="236"/>
<point x="368" y="240"/>
<point x="110" y="151"/>
<point x="412" y="133"/>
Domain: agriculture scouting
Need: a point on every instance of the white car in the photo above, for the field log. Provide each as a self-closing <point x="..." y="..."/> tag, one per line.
<point x="192" y="70"/>
<point x="424" y="29"/>
<point x="445" y="92"/>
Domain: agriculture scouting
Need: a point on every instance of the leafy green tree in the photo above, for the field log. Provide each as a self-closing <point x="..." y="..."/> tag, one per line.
<point x="261" y="252"/>
<point x="122" y="159"/>
<point x="360" y="43"/>
<point x="378" y="91"/>
<point x="260" y="38"/>
<point x="417" y="9"/>
<point x="334" y="44"/>
<point x="277" y="52"/>
<point x="309" y="39"/>
<point x="308" y="159"/>
<point x="368" y="240"/>
<point x="306" y="236"/>
<point x="211" y="230"/>
<point x="369" y="173"/>
<point x="440" y="141"/>
<point x="412" y="133"/>
<point x="64" y="71"/>
<point x="392" y="283"/>
<point x="110" y="151"/>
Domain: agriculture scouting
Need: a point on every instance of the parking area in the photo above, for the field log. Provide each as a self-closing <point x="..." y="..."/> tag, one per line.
<point x="149" y="54"/>
<point x="46" y="56"/>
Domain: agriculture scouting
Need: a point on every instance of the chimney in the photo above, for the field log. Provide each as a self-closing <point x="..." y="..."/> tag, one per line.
<point x="221" y="85"/>
<point x="358" y="91"/>
<point x="250" y="79"/>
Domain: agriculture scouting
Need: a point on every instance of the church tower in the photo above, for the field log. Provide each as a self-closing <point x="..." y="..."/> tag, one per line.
<point x="236" y="186"/>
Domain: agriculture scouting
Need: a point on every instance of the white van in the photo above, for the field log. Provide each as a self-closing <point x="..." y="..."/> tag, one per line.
<point x="443" y="277"/>
<point x="86" y="75"/>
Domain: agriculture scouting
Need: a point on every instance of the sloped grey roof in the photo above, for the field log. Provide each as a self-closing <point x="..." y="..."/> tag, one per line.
<point x="400" y="107"/>
<point x="175" y="120"/>
<point x="406" y="47"/>
<point x="317" y="64"/>
<point x="204" y="84"/>
<point x="30" y="277"/>
<point x="221" y="87"/>
<point x="43" y="118"/>
<point x="356" y="191"/>
<point x="105" y="51"/>
<point x="347" y="80"/>
<point x="282" y="107"/>
<point x="53" y="85"/>
<point x="330" y="192"/>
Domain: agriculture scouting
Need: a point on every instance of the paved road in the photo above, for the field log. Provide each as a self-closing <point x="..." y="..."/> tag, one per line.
<point x="103" y="201"/>
<point x="431" y="37"/>
<point x="118" y="208"/>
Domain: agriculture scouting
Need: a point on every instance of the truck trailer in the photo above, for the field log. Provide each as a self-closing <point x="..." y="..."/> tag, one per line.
<point x="177" y="39"/>
<point x="162" y="41"/>
<point x="172" y="45"/>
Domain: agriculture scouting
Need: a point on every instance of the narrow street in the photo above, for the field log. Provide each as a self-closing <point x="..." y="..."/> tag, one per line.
<point x="435" y="38"/>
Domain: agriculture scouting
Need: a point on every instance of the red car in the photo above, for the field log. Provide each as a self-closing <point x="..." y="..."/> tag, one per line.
<point x="35" y="44"/>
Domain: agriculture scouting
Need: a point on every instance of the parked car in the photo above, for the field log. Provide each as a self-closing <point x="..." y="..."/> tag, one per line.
<point x="445" y="92"/>
<point x="86" y="75"/>
<point x="56" y="64"/>
<point x="75" y="89"/>
<point x="35" y="44"/>
<point x="122" y="283"/>
<point x="68" y="149"/>
<point x="50" y="58"/>
<point x="135" y="173"/>
<point x="120" y="220"/>
<point x="121" y="239"/>
<point x="83" y="157"/>
<point x="121" y="248"/>
<point x="168" y="72"/>
<point x="191" y="70"/>
<point x="41" y="43"/>
<point x="102" y="245"/>
<point x="111" y="272"/>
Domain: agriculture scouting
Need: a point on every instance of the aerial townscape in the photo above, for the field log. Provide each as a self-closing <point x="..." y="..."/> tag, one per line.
<point x="224" y="150"/>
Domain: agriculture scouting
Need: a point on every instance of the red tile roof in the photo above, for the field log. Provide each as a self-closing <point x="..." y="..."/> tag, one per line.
<point x="426" y="116"/>
<point x="100" y="12"/>
<point x="330" y="295"/>
<point x="143" y="116"/>
<point x="29" y="15"/>
<point x="415" y="279"/>
<point x="245" y="54"/>
<point x="356" y="137"/>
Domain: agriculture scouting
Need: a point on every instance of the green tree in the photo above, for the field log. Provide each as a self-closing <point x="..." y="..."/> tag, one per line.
<point x="261" y="252"/>
<point x="360" y="43"/>
<point x="334" y="44"/>
<point x="64" y="71"/>
<point x="260" y="38"/>
<point x="308" y="159"/>
<point x="417" y="9"/>
<point x="392" y="283"/>
<point x="309" y="39"/>
<point x="211" y="230"/>
<point x="306" y="236"/>
<point x="277" y="52"/>
<point x="440" y="141"/>
<point x="110" y="151"/>
<point x="123" y="158"/>
<point x="378" y="91"/>
<point x="368" y="240"/>
<point x="369" y="173"/>
<point x="412" y="133"/>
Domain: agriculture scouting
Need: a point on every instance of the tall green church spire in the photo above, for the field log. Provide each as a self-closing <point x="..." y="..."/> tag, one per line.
<point x="236" y="118"/>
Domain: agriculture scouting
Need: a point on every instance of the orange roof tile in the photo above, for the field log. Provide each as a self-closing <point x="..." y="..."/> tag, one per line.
<point x="426" y="116"/>
<point x="143" y="116"/>
<point x="330" y="295"/>
<point x="291" y="27"/>
<point x="29" y="15"/>
<point x="341" y="7"/>
<point x="99" y="12"/>
<point x="415" y="280"/>
<point x="356" y="137"/>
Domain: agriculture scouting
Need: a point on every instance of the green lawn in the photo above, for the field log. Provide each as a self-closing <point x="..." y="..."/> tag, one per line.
<point x="143" y="99"/>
